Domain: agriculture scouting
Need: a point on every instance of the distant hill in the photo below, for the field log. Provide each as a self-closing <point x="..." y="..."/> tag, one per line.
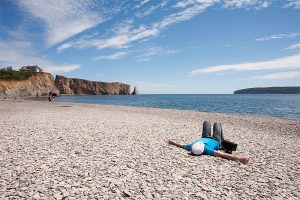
<point x="269" y="90"/>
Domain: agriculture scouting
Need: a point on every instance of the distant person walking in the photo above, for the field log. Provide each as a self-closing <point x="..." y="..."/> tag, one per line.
<point x="50" y="98"/>
<point x="208" y="145"/>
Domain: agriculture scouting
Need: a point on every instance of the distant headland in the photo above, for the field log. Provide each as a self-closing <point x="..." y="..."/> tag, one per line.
<point x="269" y="90"/>
<point x="33" y="81"/>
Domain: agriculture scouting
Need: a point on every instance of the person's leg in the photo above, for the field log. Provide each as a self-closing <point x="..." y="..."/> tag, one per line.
<point x="217" y="132"/>
<point x="206" y="131"/>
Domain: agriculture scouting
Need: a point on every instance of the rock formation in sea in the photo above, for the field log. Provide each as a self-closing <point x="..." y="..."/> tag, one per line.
<point x="74" y="86"/>
<point x="135" y="91"/>
<point x="37" y="84"/>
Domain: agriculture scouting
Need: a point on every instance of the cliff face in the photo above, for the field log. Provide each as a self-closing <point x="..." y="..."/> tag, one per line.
<point x="135" y="91"/>
<point x="38" y="84"/>
<point x="74" y="86"/>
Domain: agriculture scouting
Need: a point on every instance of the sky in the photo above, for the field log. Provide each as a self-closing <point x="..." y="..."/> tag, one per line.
<point x="160" y="46"/>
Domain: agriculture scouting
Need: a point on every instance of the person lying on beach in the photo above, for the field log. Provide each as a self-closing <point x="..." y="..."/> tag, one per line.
<point x="208" y="145"/>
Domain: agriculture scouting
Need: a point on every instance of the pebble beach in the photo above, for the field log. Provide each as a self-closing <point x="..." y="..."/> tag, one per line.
<point x="51" y="150"/>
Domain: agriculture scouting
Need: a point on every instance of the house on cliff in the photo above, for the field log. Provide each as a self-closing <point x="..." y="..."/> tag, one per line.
<point x="33" y="68"/>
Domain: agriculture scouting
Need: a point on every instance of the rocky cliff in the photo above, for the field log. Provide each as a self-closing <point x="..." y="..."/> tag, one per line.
<point x="74" y="86"/>
<point x="37" y="84"/>
<point x="135" y="91"/>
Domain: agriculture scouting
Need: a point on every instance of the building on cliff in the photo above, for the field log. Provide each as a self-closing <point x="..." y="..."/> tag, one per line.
<point x="33" y="68"/>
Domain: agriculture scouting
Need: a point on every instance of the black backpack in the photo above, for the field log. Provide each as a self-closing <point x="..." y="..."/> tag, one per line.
<point x="228" y="146"/>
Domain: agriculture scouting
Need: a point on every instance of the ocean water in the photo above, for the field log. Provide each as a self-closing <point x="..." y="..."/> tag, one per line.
<point x="276" y="105"/>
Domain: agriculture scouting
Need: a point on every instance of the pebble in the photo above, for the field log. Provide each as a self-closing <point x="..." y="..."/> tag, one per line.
<point x="36" y="196"/>
<point x="57" y="196"/>
<point x="156" y="196"/>
<point x="201" y="195"/>
<point x="108" y="152"/>
<point x="126" y="193"/>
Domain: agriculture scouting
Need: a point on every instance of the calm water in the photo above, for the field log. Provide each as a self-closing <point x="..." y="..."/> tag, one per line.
<point x="277" y="105"/>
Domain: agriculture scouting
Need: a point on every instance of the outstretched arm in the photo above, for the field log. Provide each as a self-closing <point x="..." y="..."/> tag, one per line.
<point x="227" y="156"/>
<point x="176" y="144"/>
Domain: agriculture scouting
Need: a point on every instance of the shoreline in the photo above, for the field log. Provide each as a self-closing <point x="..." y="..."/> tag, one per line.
<point x="51" y="150"/>
<point x="239" y="114"/>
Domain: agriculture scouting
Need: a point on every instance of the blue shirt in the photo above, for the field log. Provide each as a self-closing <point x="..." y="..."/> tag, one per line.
<point x="210" y="145"/>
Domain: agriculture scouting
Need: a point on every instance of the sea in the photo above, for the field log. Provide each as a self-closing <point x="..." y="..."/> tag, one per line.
<point x="276" y="105"/>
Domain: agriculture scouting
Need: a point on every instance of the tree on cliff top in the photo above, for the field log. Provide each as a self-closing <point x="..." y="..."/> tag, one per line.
<point x="9" y="68"/>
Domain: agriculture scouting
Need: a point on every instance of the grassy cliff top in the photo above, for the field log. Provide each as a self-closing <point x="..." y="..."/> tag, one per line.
<point x="15" y="75"/>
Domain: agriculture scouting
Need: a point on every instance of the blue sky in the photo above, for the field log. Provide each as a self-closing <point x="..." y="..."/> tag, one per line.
<point x="182" y="46"/>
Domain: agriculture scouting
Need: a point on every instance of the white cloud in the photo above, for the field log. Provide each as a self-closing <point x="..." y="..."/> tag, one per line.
<point x="279" y="63"/>
<point x="151" y="9"/>
<point x="184" y="15"/>
<point x="11" y="50"/>
<point x="62" y="68"/>
<point x="118" y="41"/>
<point x="246" y="3"/>
<point x="257" y="4"/>
<point x="280" y="75"/>
<point x="64" y="18"/>
<point x="123" y="40"/>
<point x="264" y="4"/>
<point x="183" y="4"/>
<point x="141" y="54"/>
<point x="142" y="3"/>
<point x="63" y="47"/>
<point x="293" y="4"/>
<point x="19" y="53"/>
<point x="154" y="51"/>
<point x="294" y="46"/>
<point x="114" y="56"/>
<point x="238" y="3"/>
<point x="191" y="8"/>
<point x="123" y="27"/>
<point x="129" y="35"/>
<point x="278" y="36"/>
